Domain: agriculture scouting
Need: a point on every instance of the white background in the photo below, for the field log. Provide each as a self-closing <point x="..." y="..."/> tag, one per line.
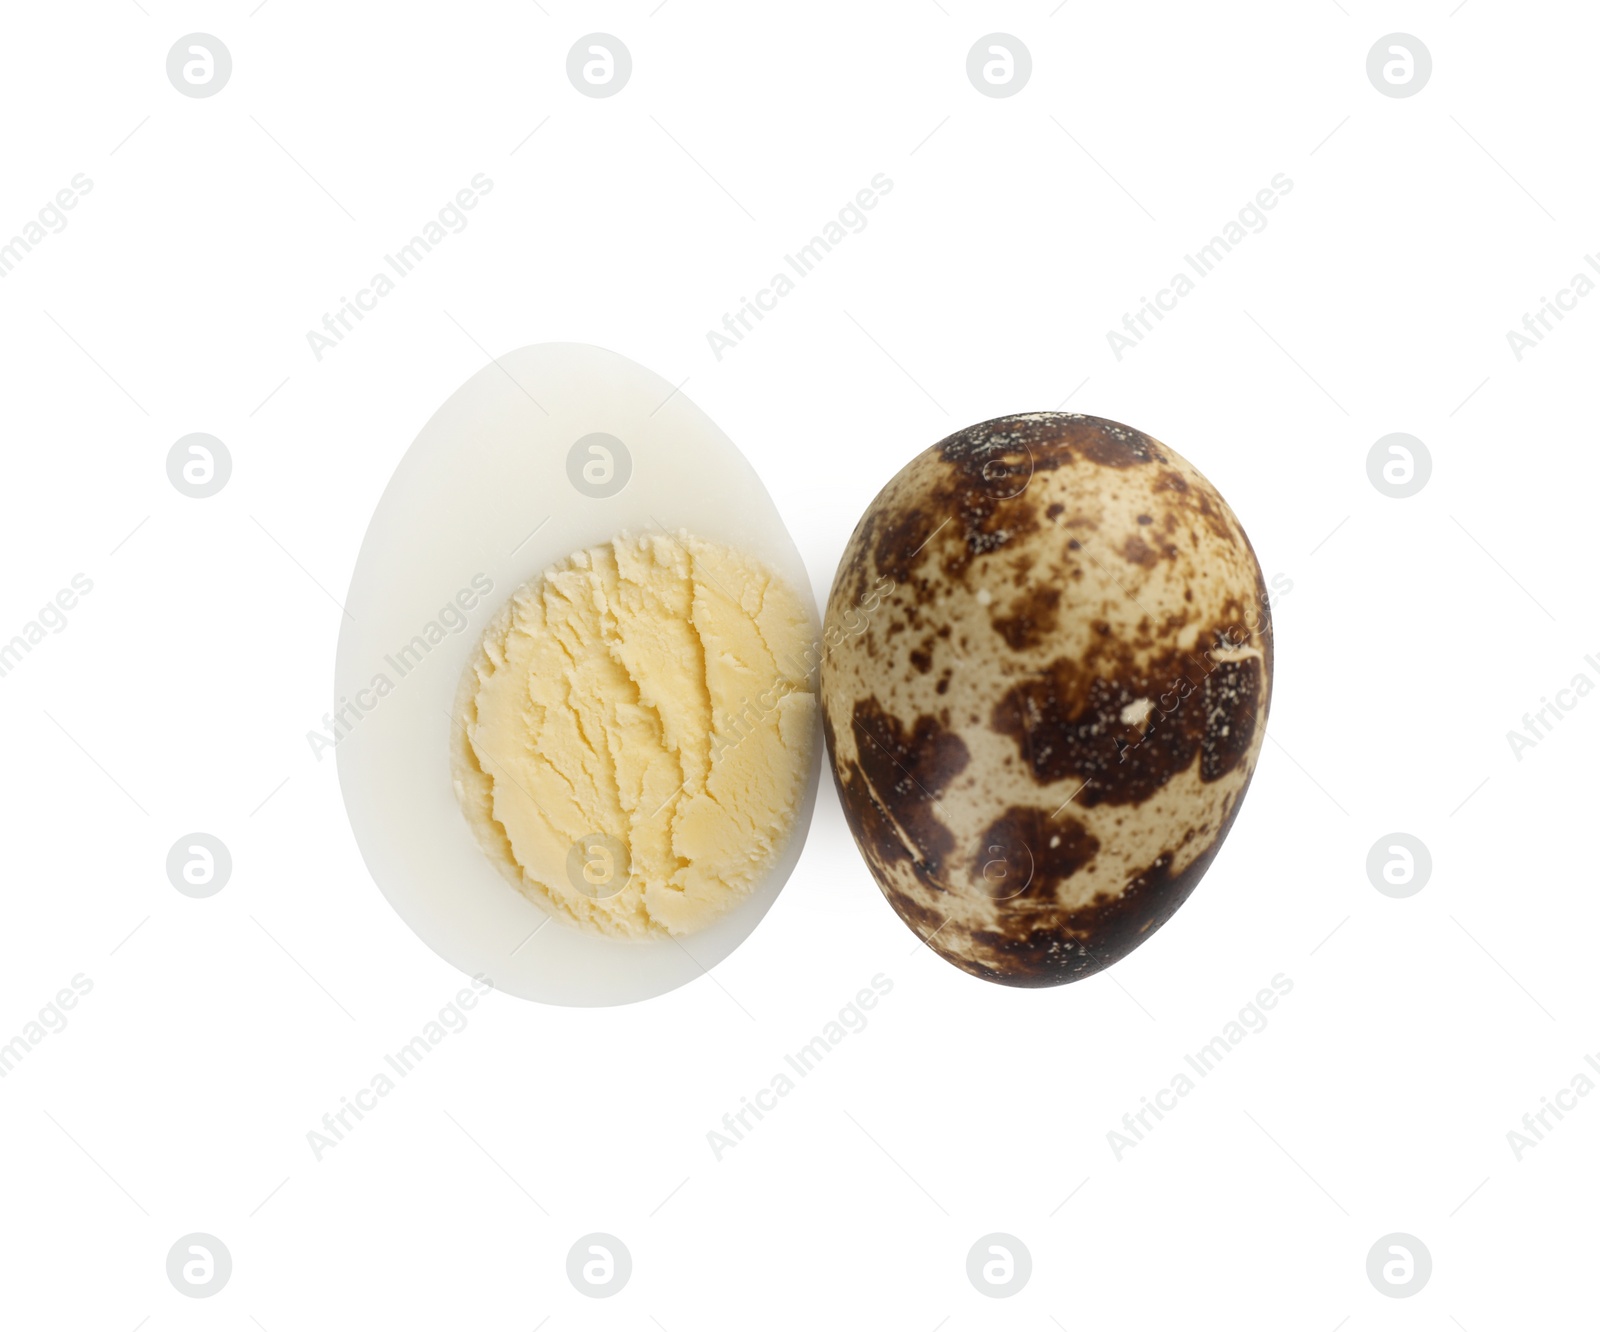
<point x="218" y="1032"/>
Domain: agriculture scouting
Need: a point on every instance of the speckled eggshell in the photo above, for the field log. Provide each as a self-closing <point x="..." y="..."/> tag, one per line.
<point x="1047" y="665"/>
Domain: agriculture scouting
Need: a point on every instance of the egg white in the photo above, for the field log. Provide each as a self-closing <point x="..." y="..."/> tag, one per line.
<point x="484" y="497"/>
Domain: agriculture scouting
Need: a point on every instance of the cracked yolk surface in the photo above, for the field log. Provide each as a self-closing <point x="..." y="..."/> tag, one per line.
<point x="635" y="730"/>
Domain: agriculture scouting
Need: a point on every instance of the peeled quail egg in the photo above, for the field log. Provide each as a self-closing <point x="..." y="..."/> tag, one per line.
<point x="619" y="550"/>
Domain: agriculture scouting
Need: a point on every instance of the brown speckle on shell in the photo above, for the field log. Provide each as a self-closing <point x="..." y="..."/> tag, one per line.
<point x="1039" y="774"/>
